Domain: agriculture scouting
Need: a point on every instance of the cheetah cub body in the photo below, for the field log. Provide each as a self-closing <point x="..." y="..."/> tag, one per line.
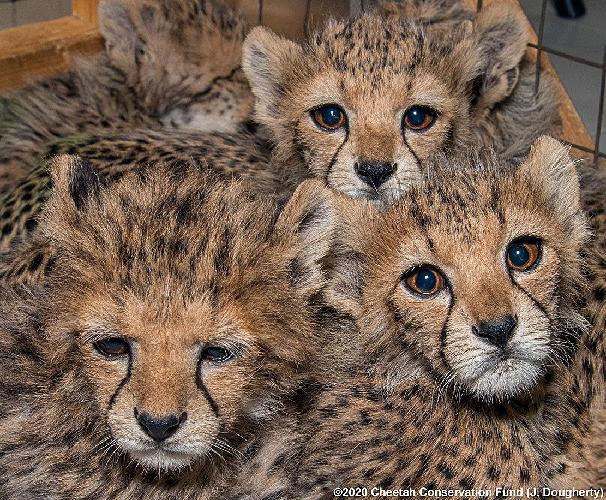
<point x="474" y="367"/>
<point x="167" y="64"/>
<point x="177" y="320"/>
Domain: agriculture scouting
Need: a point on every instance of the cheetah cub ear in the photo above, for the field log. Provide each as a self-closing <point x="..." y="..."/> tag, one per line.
<point x="122" y="40"/>
<point x="502" y="35"/>
<point x="265" y="59"/>
<point x="75" y="182"/>
<point x="550" y="168"/>
<point x="308" y="223"/>
<point x="357" y="219"/>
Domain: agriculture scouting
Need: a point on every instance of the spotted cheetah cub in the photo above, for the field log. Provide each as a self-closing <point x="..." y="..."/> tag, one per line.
<point x="475" y="367"/>
<point x="365" y="103"/>
<point x="177" y="320"/>
<point x="167" y="64"/>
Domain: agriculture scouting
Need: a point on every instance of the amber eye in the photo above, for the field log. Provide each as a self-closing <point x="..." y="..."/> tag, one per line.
<point x="419" y="118"/>
<point x="330" y="117"/>
<point x="112" y="347"/>
<point x="424" y="280"/>
<point x="523" y="255"/>
<point x="216" y="354"/>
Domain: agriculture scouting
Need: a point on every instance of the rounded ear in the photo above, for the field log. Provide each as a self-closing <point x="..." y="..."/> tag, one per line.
<point x="502" y="37"/>
<point x="119" y="31"/>
<point x="309" y="220"/>
<point x="550" y="167"/>
<point x="348" y="259"/>
<point x="75" y="182"/>
<point x="265" y="57"/>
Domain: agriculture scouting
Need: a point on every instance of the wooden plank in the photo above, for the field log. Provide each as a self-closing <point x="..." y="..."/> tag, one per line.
<point x="43" y="49"/>
<point x="287" y="17"/>
<point x="87" y="10"/>
<point x="573" y="128"/>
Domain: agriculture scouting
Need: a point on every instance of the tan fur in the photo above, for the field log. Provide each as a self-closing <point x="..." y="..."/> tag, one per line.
<point x="375" y="68"/>
<point x="167" y="64"/>
<point x="174" y="262"/>
<point x="413" y="411"/>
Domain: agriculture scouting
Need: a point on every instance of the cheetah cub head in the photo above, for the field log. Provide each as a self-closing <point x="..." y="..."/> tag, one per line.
<point x="182" y="59"/>
<point x="364" y="103"/>
<point x="185" y="305"/>
<point x="475" y="279"/>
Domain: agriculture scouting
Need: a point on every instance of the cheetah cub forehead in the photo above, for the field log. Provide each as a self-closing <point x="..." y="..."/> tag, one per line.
<point x="475" y="278"/>
<point x="186" y="303"/>
<point x="364" y="103"/>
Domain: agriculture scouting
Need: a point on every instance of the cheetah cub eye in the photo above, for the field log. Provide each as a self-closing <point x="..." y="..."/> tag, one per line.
<point x="329" y="118"/>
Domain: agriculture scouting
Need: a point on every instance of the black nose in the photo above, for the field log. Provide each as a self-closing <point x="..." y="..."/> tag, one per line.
<point x="497" y="332"/>
<point x="159" y="428"/>
<point x="374" y="173"/>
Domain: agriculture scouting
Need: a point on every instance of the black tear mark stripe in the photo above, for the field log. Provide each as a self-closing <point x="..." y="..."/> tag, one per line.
<point x="202" y="388"/>
<point x="536" y="303"/>
<point x="412" y="151"/>
<point x="444" y="330"/>
<point x="122" y="383"/>
<point x="334" y="158"/>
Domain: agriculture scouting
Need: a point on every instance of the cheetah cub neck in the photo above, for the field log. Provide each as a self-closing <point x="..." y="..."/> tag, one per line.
<point x="475" y="278"/>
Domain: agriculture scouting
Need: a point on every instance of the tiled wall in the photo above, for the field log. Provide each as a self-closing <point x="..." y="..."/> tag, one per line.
<point x="18" y="12"/>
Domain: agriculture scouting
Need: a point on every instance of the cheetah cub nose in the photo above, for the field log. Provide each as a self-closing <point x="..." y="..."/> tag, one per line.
<point x="375" y="173"/>
<point x="497" y="332"/>
<point x="159" y="428"/>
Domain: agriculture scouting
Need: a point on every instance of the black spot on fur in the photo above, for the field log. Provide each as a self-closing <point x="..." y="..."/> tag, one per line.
<point x="84" y="183"/>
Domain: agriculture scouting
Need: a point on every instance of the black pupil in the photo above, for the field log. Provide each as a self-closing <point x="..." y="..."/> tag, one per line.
<point x="216" y="354"/>
<point x="426" y="280"/>
<point x="331" y="116"/>
<point x="519" y="256"/>
<point x="416" y="116"/>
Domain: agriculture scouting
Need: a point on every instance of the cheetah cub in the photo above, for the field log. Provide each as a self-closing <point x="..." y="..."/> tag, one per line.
<point x="476" y="367"/>
<point x="167" y="64"/>
<point x="366" y="102"/>
<point x="177" y="320"/>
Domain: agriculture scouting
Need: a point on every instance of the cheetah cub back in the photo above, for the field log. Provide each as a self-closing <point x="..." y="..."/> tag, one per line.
<point x="468" y="294"/>
<point x="177" y="320"/>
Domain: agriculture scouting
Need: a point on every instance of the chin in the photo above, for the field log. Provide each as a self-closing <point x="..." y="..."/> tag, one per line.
<point x="159" y="459"/>
<point x="504" y="380"/>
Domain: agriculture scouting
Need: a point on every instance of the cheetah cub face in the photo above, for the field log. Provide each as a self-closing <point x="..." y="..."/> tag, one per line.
<point x="364" y="103"/>
<point x="184" y="304"/>
<point x="473" y="278"/>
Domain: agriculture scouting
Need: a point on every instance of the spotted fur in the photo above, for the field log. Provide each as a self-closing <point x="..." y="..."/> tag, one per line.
<point x="113" y="155"/>
<point x="173" y="262"/>
<point x="167" y="64"/>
